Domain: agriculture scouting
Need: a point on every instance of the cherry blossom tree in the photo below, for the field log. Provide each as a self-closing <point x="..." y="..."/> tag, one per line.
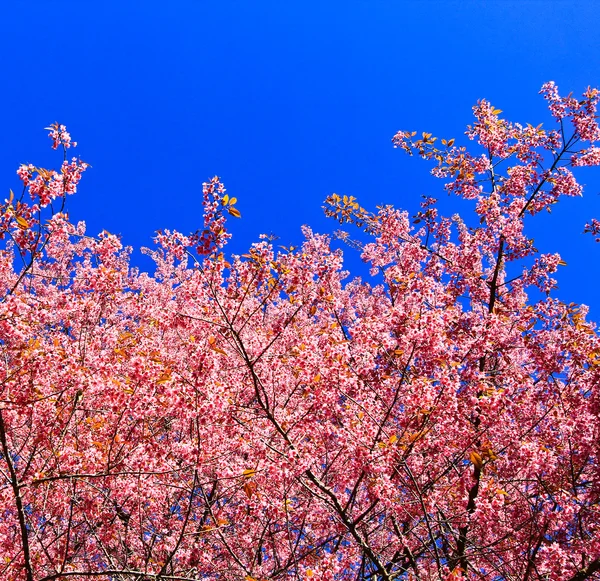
<point x="265" y="416"/>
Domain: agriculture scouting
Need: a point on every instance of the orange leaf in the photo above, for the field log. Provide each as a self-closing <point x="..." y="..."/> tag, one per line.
<point x="476" y="460"/>
<point x="250" y="489"/>
<point x="166" y="376"/>
<point x="22" y="223"/>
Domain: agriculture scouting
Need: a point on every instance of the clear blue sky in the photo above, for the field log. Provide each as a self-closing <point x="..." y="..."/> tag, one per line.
<point x="287" y="101"/>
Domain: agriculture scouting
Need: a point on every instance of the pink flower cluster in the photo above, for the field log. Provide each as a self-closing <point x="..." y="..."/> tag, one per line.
<point x="46" y="186"/>
<point x="593" y="228"/>
<point x="582" y="113"/>
<point x="60" y="136"/>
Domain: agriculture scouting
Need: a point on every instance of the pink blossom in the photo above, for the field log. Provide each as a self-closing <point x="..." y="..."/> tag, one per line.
<point x="590" y="156"/>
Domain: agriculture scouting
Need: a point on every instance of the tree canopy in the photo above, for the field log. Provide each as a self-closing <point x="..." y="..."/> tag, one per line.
<point x="266" y="416"/>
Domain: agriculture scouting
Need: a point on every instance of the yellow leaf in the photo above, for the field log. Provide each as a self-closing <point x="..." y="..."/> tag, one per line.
<point x="164" y="378"/>
<point x="562" y="263"/>
<point x="476" y="460"/>
<point x="249" y="473"/>
<point x="496" y="111"/>
<point x="491" y="454"/>
<point x="11" y="197"/>
<point x="450" y="142"/>
<point x="232" y="201"/>
<point x="234" y="212"/>
<point x="22" y="223"/>
<point x="225" y="199"/>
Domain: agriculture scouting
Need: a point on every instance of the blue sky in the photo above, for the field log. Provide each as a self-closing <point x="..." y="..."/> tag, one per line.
<point x="288" y="101"/>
